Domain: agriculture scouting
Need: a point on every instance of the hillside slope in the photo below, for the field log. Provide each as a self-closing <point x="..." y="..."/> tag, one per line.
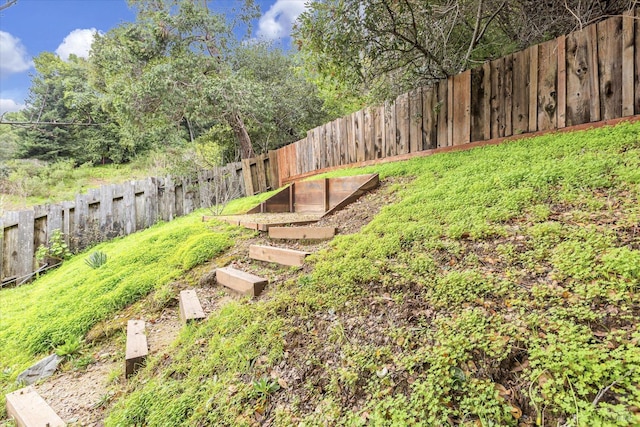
<point x="502" y="289"/>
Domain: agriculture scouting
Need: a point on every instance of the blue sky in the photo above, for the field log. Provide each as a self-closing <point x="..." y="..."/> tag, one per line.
<point x="30" y="27"/>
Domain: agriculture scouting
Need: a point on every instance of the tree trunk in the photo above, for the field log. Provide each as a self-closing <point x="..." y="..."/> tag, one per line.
<point x="242" y="136"/>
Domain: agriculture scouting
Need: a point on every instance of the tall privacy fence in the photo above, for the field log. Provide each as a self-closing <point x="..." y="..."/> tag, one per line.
<point x="110" y="211"/>
<point x="587" y="76"/>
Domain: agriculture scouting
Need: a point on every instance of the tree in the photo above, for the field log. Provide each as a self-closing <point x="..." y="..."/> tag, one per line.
<point x="386" y="47"/>
<point x="285" y="104"/>
<point x="179" y="74"/>
<point x="62" y="116"/>
<point x="528" y="22"/>
<point x="9" y="137"/>
<point x="169" y="70"/>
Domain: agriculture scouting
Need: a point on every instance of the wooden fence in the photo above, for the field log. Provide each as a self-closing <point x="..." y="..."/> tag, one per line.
<point x="109" y="211"/>
<point x="586" y="76"/>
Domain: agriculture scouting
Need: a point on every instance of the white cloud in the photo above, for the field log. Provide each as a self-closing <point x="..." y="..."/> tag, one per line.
<point x="9" y="105"/>
<point x="13" y="55"/>
<point x="279" y="19"/>
<point x="78" y="42"/>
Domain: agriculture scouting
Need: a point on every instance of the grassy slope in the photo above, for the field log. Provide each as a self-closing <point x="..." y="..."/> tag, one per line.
<point x="67" y="302"/>
<point x="61" y="182"/>
<point x="502" y="288"/>
<point x="505" y="280"/>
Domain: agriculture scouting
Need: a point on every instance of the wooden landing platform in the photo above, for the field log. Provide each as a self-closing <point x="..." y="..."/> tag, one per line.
<point x="137" y="348"/>
<point x="190" y="308"/>
<point x="278" y="255"/>
<point x="240" y="281"/>
<point x="264" y="221"/>
<point x="28" y="409"/>
<point x="300" y="233"/>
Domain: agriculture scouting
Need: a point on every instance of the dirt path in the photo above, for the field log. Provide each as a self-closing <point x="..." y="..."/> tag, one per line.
<point x="81" y="397"/>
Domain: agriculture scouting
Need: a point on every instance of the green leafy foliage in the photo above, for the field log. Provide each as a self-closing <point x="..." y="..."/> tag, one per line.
<point x="70" y="348"/>
<point x="387" y="47"/>
<point x="197" y="249"/>
<point x="196" y="82"/>
<point x="26" y="183"/>
<point x="56" y="251"/>
<point x="68" y="122"/>
<point x="264" y="388"/>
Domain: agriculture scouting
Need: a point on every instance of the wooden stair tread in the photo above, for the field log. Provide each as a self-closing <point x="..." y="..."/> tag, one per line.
<point x="190" y="307"/>
<point x="29" y="409"/>
<point x="281" y="256"/>
<point x="311" y="233"/>
<point x="241" y="281"/>
<point x="137" y="348"/>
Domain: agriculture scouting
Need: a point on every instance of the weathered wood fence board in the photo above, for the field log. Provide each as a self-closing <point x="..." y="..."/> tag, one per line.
<point x="628" y="25"/>
<point x="109" y="211"/>
<point x="520" y="93"/>
<point x="547" y="93"/>
<point x="610" y="67"/>
<point x="586" y="76"/>
<point x="429" y="118"/>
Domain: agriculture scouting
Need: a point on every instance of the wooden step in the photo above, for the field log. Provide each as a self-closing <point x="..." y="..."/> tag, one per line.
<point x="278" y="255"/>
<point x="28" y="409"/>
<point x="190" y="308"/>
<point x="240" y="281"/>
<point x="311" y="233"/>
<point x="137" y="348"/>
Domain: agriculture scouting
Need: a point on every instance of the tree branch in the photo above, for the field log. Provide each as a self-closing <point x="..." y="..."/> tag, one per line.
<point x="9" y="3"/>
<point x="472" y="43"/>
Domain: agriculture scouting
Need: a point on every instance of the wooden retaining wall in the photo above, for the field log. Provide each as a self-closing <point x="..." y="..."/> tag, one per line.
<point x="107" y="212"/>
<point x="587" y="76"/>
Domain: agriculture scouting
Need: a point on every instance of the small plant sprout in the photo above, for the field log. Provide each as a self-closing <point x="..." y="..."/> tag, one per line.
<point x="96" y="260"/>
<point x="264" y="388"/>
<point x="70" y="348"/>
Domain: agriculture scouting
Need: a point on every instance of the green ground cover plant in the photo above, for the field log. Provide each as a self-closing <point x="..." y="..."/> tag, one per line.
<point x="50" y="313"/>
<point x="501" y="289"/>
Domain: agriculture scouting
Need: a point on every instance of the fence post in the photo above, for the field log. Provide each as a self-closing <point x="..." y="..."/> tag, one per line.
<point x="403" y="119"/>
<point x="533" y="88"/>
<point x="129" y="198"/>
<point x="637" y="61"/>
<point x="81" y="213"/>
<point x="246" y="176"/>
<point x="274" y="168"/>
<point x="170" y="197"/>
<point x="26" y="224"/>
<point x="106" y="209"/>
<point x="461" y="102"/>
